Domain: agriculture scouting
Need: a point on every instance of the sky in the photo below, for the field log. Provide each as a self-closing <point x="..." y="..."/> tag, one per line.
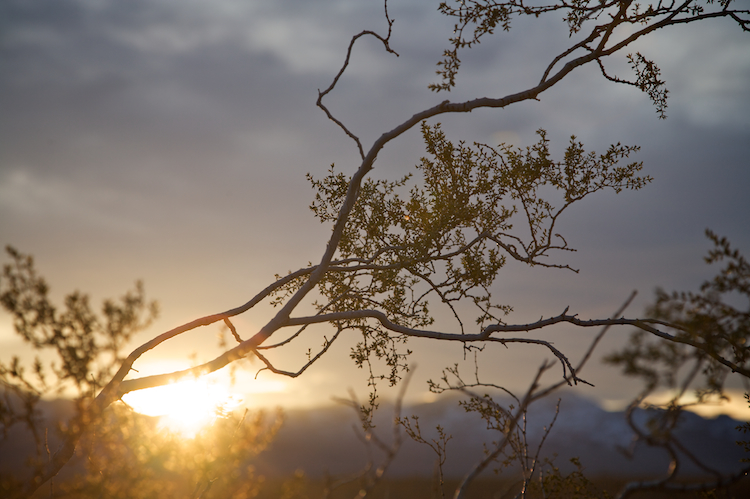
<point x="169" y="142"/>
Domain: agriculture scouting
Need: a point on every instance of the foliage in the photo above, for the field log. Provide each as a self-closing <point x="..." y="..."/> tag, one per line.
<point x="444" y="237"/>
<point x="633" y="18"/>
<point x="128" y="456"/>
<point x="573" y="485"/>
<point x="87" y="347"/>
<point x="708" y="318"/>
<point x="122" y="454"/>
<point x="711" y="319"/>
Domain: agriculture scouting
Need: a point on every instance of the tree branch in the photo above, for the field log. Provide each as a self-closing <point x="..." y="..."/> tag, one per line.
<point x="482" y="465"/>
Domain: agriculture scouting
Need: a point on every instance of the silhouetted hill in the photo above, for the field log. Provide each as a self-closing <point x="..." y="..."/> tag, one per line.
<point x="325" y="440"/>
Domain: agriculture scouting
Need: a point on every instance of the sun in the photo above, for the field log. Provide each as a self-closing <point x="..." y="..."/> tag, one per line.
<point x="185" y="406"/>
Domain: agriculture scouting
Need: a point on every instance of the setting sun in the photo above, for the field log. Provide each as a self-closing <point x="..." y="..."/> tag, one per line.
<point x="185" y="406"/>
<point x="190" y="404"/>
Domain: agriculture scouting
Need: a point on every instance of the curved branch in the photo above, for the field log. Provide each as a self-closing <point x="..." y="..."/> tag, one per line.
<point x="561" y="357"/>
<point x="274" y="370"/>
<point x="319" y="102"/>
<point x="485" y="334"/>
<point x="665" y="483"/>
<point x="590" y="350"/>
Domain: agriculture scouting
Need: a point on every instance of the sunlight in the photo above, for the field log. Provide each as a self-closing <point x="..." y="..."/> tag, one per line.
<point x="186" y="406"/>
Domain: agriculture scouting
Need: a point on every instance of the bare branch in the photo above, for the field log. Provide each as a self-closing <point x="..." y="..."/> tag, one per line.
<point x="482" y="465"/>
<point x="386" y="44"/>
<point x="591" y="348"/>
<point x="371" y="437"/>
<point x="274" y="370"/>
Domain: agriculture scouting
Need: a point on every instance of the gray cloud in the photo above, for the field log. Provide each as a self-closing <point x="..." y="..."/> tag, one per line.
<point x="169" y="141"/>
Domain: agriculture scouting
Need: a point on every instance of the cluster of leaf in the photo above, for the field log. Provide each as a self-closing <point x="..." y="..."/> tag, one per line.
<point x="121" y="454"/>
<point x="85" y="348"/>
<point x="553" y="483"/>
<point x="716" y="319"/>
<point x="648" y="81"/>
<point x="447" y="236"/>
<point x="708" y="326"/>
<point x="126" y="455"/>
<point x="485" y="16"/>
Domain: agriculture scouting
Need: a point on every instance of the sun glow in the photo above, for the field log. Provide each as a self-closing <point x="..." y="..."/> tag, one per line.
<point x="186" y="406"/>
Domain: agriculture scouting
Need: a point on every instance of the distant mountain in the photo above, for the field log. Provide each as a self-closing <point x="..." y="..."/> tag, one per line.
<point x="328" y="440"/>
<point x="325" y="440"/>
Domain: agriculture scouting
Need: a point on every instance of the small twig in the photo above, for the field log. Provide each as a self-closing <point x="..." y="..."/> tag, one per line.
<point x="535" y="461"/>
<point x="270" y="366"/>
<point x="477" y="470"/>
<point x="232" y="329"/>
<point x="319" y="103"/>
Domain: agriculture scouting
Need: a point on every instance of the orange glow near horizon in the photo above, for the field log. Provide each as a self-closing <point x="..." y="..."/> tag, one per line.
<point x="188" y="405"/>
<point x="735" y="406"/>
<point x="185" y="406"/>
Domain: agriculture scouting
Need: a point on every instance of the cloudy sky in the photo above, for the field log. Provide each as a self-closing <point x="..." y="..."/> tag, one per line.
<point x="169" y="141"/>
